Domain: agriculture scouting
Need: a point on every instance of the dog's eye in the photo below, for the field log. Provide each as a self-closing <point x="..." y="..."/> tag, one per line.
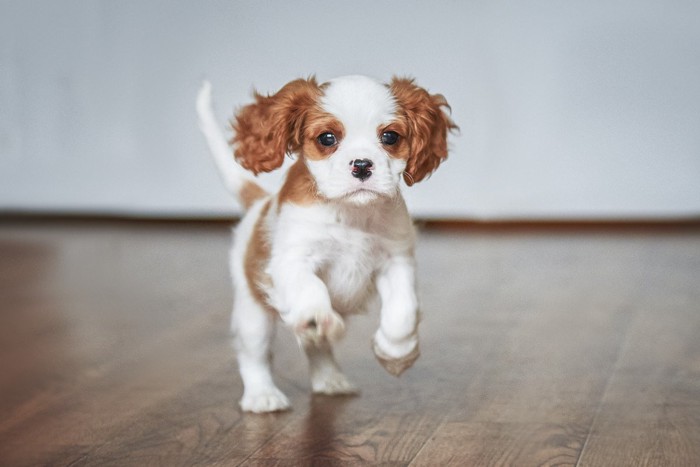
<point x="327" y="139"/>
<point x="390" y="138"/>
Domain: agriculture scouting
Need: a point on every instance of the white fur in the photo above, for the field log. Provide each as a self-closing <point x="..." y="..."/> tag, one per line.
<point x="328" y="260"/>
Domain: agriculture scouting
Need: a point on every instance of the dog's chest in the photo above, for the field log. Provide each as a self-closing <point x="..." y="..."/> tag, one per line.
<point x="348" y="262"/>
<point x="346" y="248"/>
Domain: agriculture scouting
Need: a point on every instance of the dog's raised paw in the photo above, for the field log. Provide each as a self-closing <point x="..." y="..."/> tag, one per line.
<point x="268" y="400"/>
<point x="396" y="366"/>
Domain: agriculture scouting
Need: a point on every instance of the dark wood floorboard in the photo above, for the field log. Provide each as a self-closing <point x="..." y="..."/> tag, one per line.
<point x="539" y="347"/>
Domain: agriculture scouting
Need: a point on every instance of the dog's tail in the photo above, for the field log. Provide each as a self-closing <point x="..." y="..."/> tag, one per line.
<point x="239" y="182"/>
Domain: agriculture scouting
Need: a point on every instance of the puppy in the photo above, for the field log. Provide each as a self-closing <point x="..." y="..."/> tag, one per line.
<point x="336" y="239"/>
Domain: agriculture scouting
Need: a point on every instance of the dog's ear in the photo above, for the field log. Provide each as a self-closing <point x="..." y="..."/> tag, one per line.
<point x="272" y="126"/>
<point x="428" y="126"/>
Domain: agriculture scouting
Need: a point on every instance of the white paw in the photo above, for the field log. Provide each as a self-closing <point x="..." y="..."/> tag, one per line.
<point x="321" y="326"/>
<point x="267" y="400"/>
<point x="333" y="384"/>
<point x="395" y="357"/>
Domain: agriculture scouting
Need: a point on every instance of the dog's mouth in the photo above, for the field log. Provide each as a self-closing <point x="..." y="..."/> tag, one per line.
<point x="364" y="195"/>
<point x="361" y="195"/>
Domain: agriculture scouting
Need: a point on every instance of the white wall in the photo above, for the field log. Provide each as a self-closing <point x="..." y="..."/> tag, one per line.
<point x="572" y="109"/>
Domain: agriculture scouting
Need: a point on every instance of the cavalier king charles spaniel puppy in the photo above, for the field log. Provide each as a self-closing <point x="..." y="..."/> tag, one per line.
<point x="336" y="239"/>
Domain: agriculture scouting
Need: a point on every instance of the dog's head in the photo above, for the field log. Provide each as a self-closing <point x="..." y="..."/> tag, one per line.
<point x="357" y="136"/>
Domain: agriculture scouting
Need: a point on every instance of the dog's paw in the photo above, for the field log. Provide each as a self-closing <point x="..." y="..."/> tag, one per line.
<point x="395" y="358"/>
<point x="333" y="384"/>
<point x="321" y="326"/>
<point x="267" y="400"/>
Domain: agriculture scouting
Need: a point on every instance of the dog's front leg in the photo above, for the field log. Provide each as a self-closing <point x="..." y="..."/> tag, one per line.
<point x="396" y="340"/>
<point x="305" y="305"/>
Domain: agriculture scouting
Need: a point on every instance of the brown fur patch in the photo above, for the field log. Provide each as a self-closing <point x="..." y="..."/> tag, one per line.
<point x="273" y="125"/>
<point x="256" y="259"/>
<point x="427" y="125"/>
<point x="399" y="150"/>
<point x="317" y="123"/>
<point x="250" y="193"/>
<point x="299" y="187"/>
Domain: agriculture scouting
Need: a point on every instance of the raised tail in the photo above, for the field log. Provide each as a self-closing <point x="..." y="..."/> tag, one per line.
<point x="238" y="181"/>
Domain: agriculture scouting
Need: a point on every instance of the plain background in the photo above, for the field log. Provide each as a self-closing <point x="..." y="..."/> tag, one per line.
<point x="568" y="110"/>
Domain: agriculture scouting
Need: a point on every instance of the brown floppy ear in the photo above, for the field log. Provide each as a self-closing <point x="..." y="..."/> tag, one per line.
<point x="272" y="126"/>
<point x="427" y="127"/>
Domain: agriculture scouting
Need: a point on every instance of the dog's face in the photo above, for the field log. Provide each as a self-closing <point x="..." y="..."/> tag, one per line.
<point x="357" y="136"/>
<point x="359" y="152"/>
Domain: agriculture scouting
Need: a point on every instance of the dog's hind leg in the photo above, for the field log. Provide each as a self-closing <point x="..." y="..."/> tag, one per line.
<point x="254" y="330"/>
<point x="326" y="375"/>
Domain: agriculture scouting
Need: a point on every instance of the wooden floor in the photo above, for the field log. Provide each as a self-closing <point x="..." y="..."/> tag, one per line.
<point x="540" y="347"/>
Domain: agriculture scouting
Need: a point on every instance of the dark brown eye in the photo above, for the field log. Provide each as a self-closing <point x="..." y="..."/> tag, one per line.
<point x="390" y="138"/>
<point x="327" y="139"/>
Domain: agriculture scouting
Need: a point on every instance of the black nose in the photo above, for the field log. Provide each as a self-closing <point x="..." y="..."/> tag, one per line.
<point x="362" y="169"/>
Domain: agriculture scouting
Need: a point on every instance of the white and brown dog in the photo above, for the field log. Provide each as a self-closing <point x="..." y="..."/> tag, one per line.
<point x="336" y="239"/>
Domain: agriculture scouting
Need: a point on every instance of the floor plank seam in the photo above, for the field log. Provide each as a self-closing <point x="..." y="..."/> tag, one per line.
<point x="246" y="460"/>
<point x="601" y="402"/>
<point x="438" y="427"/>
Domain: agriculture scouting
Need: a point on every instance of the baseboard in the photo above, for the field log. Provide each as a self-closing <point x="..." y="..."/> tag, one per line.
<point x="563" y="224"/>
<point x="589" y="224"/>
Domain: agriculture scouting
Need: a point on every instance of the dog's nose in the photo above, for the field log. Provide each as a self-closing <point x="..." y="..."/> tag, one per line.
<point x="362" y="169"/>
